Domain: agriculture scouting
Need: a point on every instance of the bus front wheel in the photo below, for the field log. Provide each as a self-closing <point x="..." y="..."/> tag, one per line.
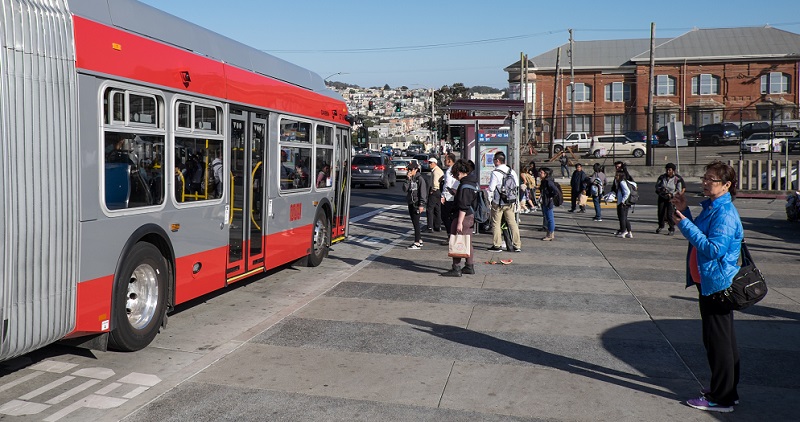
<point x="139" y="298"/>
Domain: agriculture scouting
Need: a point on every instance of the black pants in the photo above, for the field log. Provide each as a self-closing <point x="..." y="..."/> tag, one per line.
<point x="574" y="200"/>
<point x="719" y="339"/>
<point x="413" y="211"/>
<point x="435" y="211"/>
<point x="622" y="214"/>
<point x="448" y="214"/>
<point x="665" y="211"/>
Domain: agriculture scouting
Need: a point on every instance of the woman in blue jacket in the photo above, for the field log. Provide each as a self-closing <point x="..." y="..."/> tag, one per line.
<point x="715" y="240"/>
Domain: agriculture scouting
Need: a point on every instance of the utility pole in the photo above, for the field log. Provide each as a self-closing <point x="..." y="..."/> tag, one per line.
<point x="648" y="141"/>
<point x="572" y="81"/>
<point x="555" y="101"/>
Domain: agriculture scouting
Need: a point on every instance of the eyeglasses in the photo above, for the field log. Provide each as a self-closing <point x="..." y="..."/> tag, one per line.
<point x="705" y="179"/>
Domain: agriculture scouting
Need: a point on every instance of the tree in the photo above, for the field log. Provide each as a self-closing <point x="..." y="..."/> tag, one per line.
<point x="386" y="87"/>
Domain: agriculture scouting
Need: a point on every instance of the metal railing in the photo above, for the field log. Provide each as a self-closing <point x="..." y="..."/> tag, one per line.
<point x="767" y="175"/>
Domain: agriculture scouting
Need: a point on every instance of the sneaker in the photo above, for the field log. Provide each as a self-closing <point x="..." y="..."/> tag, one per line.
<point x="494" y="249"/>
<point x="621" y="234"/>
<point x="597" y="219"/>
<point x="705" y="391"/>
<point x="658" y="230"/>
<point x="671" y="232"/>
<point x="617" y="233"/>
<point x="445" y="242"/>
<point x="570" y="210"/>
<point x="516" y="249"/>
<point x="582" y="211"/>
<point x="415" y="246"/>
<point x="703" y="404"/>
<point x="628" y="235"/>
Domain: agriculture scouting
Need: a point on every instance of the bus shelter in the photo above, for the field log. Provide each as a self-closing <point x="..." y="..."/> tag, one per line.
<point x="488" y="127"/>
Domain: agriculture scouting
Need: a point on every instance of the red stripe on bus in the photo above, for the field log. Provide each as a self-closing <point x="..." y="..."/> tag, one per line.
<point x="287" y="246"/>
<point x="190" y="285"/>
<point x="108" y="50"/>
<point x="93" y="307"/>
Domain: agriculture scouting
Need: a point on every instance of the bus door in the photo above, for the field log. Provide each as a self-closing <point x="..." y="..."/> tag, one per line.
<point x="247" y="223"/>
<point x="342" y="185"/>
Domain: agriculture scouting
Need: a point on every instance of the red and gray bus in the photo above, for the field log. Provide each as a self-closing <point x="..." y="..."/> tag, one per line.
<point x="146" y="161"/>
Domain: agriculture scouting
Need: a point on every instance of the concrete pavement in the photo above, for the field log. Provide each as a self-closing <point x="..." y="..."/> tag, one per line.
<point x="588" y="327"/>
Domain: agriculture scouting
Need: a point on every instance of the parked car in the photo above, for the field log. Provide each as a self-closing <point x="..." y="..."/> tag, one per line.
<point x="615" y="144"/>
<point x="373" y="169"/>
<point x="755" y="127"/>
<point x="793" y="143"/>
<point x="689" y="133"/>
<point x="580" y="139"/>
<point x="422" y="159"/>
<point x="401" y="166"/>
<point x="718" y="133"/>
<point x="387" y="150"/>
<point x="641" y="136"/>
<point x="762" y="142"/>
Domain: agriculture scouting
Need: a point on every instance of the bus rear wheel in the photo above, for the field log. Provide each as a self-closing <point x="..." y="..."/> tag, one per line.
<point x="319" y="239"/>
<point x="139" y="298"/>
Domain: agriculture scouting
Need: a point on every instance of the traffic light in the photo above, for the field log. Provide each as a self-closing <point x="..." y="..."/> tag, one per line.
<point x="398" y="107"/>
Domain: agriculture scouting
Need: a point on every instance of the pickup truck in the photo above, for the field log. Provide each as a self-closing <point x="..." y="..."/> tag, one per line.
<point x="582" y="139"/>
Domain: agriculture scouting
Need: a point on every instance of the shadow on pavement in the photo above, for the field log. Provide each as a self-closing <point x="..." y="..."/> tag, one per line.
<point x="539" y="357"/>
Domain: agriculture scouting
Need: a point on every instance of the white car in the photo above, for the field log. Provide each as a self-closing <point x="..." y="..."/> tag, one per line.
<point x="401" y="166"/>
<point x="760" y="142"/>
<point x="603" y="145"/>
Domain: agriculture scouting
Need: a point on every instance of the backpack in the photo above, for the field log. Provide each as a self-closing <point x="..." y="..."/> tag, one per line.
<point x="508" y="189"/>
<point x="597" y="187"/>
<point x="479" y="207"/>
<point x="633" y="198"/>
<point x="558" y="195"/>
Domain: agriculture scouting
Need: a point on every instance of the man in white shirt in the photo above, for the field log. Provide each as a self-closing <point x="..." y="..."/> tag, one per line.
<point x="500" y="210"/>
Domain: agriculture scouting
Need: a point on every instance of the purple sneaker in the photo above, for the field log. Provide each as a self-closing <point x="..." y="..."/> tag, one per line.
<point x="703" y="404"/>
<point x="705" y="391"/>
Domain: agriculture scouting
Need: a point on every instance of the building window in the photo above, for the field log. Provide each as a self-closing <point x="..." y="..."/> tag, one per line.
<point x="775" y="83"/>
<point x="583" y="93"/>
<point x="615" y="123"/>
<point x="583" y="123"/>
<point x="705" y="84"/>
<point x="665" y="85"/>
<point x="617" y="92"/>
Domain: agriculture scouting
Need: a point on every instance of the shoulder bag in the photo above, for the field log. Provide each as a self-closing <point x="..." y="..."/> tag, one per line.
<point x="748" y="285"/>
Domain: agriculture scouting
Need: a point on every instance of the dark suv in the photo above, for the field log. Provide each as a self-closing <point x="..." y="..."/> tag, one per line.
<point x="373" y="168"/>
<point x="689" y="133"/>
<point x="718" y="133"/>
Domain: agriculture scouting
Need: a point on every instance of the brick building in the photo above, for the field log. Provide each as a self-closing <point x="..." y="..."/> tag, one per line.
<point x="703" y="76"/>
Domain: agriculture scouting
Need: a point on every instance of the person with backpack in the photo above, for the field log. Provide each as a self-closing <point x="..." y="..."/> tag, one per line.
<point x="503" y="190"/>
<point x="417" y="196"/>
<point x="598" y="187"/>
<point x="465" y="202"/>
<point x="625" y="186"/>
<point x="549" y="194"/>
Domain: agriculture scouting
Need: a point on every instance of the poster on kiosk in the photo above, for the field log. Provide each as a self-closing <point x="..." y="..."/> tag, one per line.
<point x="490" y="142"/>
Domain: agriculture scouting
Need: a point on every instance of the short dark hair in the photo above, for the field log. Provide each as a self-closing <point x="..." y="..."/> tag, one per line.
<point x="450" y="156"/>
<point x="725" y="173"/>
<point x="670" y="166"/>
<point x="500" y="157"/>
<point x="547" y="171"/>
<point x="460" y="166"/>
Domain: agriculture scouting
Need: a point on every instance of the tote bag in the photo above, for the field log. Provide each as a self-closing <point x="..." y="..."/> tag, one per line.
<point x="459" y="246"/>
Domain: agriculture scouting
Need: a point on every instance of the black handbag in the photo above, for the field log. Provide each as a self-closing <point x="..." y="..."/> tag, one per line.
<point x="748" y="285"/>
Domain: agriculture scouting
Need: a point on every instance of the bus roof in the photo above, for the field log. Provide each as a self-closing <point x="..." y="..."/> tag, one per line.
<point x="140" y="18"/>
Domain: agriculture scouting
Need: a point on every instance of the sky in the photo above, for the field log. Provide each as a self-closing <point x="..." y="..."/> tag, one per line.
<point x="432" y="43"/>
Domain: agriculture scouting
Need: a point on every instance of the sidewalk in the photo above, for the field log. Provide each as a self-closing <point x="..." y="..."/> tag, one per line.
<point x="588" y="327"/>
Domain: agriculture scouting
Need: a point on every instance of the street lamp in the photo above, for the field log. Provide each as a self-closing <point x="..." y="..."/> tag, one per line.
<point x="332" y="75"/>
